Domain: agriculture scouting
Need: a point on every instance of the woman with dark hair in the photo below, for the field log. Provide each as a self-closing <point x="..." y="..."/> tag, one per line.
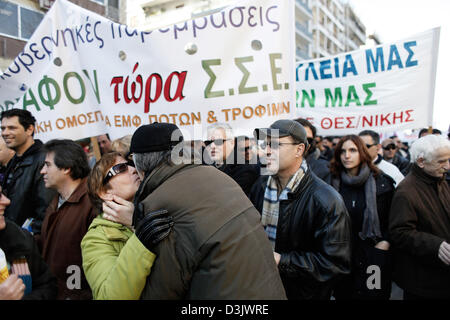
<point x="367" y="193"/>
<point x="116" y="258"/>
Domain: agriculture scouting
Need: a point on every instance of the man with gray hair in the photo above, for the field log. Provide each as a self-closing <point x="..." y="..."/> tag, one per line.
<point x="419" y="222"/>
<point x="217" y="248"/>
<point x="220" y="142"/>
<point x="222" y="149"/>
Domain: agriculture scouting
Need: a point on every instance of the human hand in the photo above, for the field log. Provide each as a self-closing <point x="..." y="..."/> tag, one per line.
<point x="153" y="228"/>
<point x="12" y="288"/>
<point x="383" y="245"/>
<point x="444" y="253"/>
<point x="118" y="210"/>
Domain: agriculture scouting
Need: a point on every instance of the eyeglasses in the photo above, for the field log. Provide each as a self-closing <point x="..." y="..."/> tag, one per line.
<point x="217" y="142"/>
<point x="275" y="145"/>
<point x="115" y="170"/>
<point x="370" y="145"/>
<point x="390" y="146"/>
<point x="310" y="140"/>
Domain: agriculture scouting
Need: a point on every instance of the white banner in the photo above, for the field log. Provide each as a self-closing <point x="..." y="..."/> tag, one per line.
<point x="386" y="88"/>
<point x="82" y="75"/>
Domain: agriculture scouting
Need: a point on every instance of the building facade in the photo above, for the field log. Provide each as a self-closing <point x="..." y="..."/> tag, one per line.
<point x="355" y="31"/>
<point x="303" y="25"/>
<point x="336" y="28"/>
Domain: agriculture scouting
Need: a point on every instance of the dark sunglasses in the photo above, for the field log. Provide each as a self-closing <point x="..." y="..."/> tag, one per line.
<point x="370" y="145"/>
<point x="217" y="142"/>
<point x="310" y="140"/>
<point x="390" y="146"/>
<point x="115" y="170"/>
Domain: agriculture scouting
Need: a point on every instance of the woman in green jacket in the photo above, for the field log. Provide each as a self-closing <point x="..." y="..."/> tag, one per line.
<point x="117" y="260"/>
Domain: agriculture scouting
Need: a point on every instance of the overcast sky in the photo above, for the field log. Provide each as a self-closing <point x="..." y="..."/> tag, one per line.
<point x="394" y="20"/>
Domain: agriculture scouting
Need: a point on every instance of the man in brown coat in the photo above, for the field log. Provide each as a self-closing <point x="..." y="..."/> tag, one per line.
<point x="67" y="217"/>
<point x="217" y="248"/>
<point x="420" y="223"/>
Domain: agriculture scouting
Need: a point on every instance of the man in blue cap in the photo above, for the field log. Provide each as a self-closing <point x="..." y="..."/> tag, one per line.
<point x="217" y="248"/>
<point x="305" y="219"/>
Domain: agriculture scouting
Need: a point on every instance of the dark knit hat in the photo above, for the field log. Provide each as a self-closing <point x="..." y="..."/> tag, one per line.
<point x="155" y="137"/>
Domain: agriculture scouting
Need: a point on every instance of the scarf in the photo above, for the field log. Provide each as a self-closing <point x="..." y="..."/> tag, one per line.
<point x="371" y="223"/>
<point x="272" y="198"/>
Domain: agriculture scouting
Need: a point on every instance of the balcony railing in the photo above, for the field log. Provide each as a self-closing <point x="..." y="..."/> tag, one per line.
<point x="303" y="29"/>
<point x="304" y="5"/>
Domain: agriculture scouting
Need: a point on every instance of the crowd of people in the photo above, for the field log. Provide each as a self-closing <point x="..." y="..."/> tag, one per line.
<point x="285" y="214"/>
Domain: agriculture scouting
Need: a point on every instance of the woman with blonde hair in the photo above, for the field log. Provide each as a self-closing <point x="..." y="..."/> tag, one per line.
<point x="122" y="145"/>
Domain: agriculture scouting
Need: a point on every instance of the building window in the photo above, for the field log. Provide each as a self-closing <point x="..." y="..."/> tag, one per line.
<point x="17" y="21"/>
<point x="113" y="3"/>
<point x="29" y="20"/>
<point x="9" y="16"/>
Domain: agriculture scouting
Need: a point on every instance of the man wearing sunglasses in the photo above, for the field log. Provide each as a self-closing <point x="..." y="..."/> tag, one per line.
<point x="220" y="142"/>
<point x="391" y="155"/>
<point x="372" y="141"/>
<point x="68" y="216"/>
<point x="217" y="248"/>
<point x="304" y="218"/>
<point x="318" y="163"/>
<point x="223" y="149"/>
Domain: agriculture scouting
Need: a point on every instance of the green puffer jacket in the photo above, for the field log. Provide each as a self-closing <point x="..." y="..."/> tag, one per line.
<point x="115" y="262"/>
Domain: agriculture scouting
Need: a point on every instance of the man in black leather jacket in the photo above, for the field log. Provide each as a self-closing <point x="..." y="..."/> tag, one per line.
<point x="23" y="184"/>
<point x="312" y="245"/>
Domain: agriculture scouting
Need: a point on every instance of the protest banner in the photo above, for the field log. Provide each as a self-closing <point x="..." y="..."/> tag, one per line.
<point x="386" y="88"/>
<point x="82" y="75"/>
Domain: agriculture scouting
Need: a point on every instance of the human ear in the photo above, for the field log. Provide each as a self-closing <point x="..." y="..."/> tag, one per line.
<point x="300" y="150"/>
<point x="106" y="196"/>
<point x="29" y="131"/>
<point x="420" y="162"/>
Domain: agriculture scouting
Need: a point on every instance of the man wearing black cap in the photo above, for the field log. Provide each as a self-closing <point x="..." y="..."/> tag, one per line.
<point x="305" y="219"/>
<point x="217" y="248"/>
